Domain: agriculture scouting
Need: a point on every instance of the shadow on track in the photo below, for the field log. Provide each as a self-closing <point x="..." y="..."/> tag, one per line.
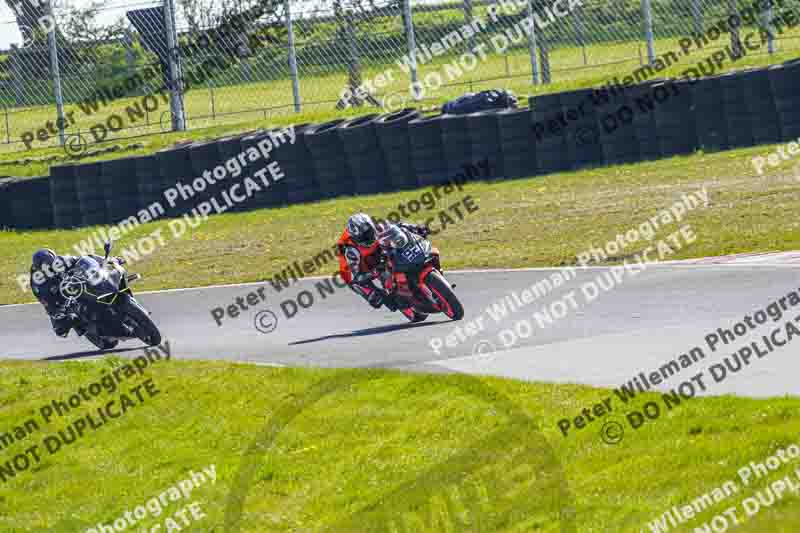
<point x="78" y="355"/>
<point x="369" y="331"/>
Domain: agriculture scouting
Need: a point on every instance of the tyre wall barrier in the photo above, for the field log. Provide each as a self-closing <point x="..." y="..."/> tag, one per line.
<point x="175" y="166"/>
<point x="365" y="155"/>
<point x="122" y="189"/>
<point x="785" y="85"/>
<point x="145" y="169"/>
<point x="331" y="168"/>
<point x="427" y="150"/>
<point x="456" y="144"/>
<point x="517" y="141"/>
<point x="27" y="203"/>
<point x="203" y="157"/>
<point x="64" y="197"/>
<point x="265" y="191"/>
<point x="583" y="142"/>
<point x="294" y="160"/>
<point x="365" y="159"/>
<point x="393" y="139"/>
<point x="5" y="216"/>
<point x="91" y="194"/>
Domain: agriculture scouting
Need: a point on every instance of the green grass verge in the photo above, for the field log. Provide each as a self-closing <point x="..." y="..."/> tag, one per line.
<point x="385" y="442"/>
<point x="543" y="221"/>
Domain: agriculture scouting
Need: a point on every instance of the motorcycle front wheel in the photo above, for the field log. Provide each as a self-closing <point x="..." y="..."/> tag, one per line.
<point x="448" y="302"/>
<point x="144" y="327"/>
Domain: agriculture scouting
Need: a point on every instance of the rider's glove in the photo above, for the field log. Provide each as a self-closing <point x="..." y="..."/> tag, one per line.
<point x="375" y="299"/>
<point x="362" y="278"/>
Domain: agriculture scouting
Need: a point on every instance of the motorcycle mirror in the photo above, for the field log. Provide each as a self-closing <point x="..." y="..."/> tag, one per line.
<point x="107" y="248"/>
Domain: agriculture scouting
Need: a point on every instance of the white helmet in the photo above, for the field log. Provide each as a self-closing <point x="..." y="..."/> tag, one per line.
<point x="362" y="229"/>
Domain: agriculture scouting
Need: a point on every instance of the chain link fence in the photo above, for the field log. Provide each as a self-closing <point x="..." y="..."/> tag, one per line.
<point x="185" y="64"/>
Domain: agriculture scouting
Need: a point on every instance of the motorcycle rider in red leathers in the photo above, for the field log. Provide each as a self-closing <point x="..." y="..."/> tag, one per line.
<point x="359" y="255"/>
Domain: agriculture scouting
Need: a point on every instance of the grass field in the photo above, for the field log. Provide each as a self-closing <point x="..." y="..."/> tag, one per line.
<point x="327" y="449"/>
<point x="541" y="221"/>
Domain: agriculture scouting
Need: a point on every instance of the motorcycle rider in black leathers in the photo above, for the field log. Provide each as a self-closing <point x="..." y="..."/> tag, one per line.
<point x="48" y="270"/>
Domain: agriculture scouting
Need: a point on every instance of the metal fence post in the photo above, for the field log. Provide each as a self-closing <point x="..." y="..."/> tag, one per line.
<point x="579" y="34"/>
<point x="768" y="14"/>
<point x="412" y="45"/>
<point x="130" y="56"/>
<point x="532" y="44"/>
<point x="736" y="42"/>
<point x="56" y="73"/>
<point x="173" y="56"/>
<point x="468" y="18"/>
<point x="647" y="14"/>
<point x="15" y="75"/>
<point x="292" y="57"/>
<point x="697" y="15"/>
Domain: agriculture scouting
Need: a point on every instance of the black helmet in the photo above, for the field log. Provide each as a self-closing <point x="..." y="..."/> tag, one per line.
<point x="45" y="256"/>
<point x="362" y="229"/>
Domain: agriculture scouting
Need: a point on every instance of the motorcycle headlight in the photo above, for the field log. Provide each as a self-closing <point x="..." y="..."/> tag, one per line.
<point x="96" y="276"/>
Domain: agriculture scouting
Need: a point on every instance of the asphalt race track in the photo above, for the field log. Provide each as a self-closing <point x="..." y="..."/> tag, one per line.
<point x="646" y="320"/>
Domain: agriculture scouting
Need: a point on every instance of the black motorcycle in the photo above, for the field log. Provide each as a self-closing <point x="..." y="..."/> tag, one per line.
<point x="99" y="297"/>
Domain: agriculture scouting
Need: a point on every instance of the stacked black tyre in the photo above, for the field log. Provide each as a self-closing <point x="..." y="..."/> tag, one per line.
<point x="672" y="104"/>
<point x="334" y="177"/>
<point x="456" y="146"/>
<point x="738" y="119"/>
<point x="64" y="197"/>
<point x="259" y="148"/>
<point x="708" y="109"/>
<point x="550" y="134"/>
<point x="615" y="126"/>
<point x="640" y="98"/>
<point x="758" y="93"/>
<point x="122" y="189"/>
<point x="486" y="149"/>
<point x="517" y="144"/>
<point x="393" y="138"/>
<point x="231" y="147"/>
<point x="174" y="167"/>
<point x="427" y="150"/>
<point x="148" y="182"/>
<point x="91" y="194"/>
<point x="5" y="198"/>
<point x="579" y="118"/>
<point x="28" y="207"/>
<point x="294" y="162"/>
<point x="364" y="155"/>
<point x="785" y="82"/>
<point x="204" y="157"/>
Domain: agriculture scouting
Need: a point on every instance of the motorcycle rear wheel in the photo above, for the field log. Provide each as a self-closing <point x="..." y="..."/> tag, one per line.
<point x="144" y="329"/>
<point x="451" y="306"/>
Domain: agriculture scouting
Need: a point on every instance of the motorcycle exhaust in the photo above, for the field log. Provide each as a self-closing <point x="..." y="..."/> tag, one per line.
<point x="134" y="277"/>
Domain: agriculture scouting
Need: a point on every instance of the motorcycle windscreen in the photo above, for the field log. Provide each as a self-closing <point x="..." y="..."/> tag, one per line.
<point x="413" y="256"/>
<point x="101" y="280"/>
